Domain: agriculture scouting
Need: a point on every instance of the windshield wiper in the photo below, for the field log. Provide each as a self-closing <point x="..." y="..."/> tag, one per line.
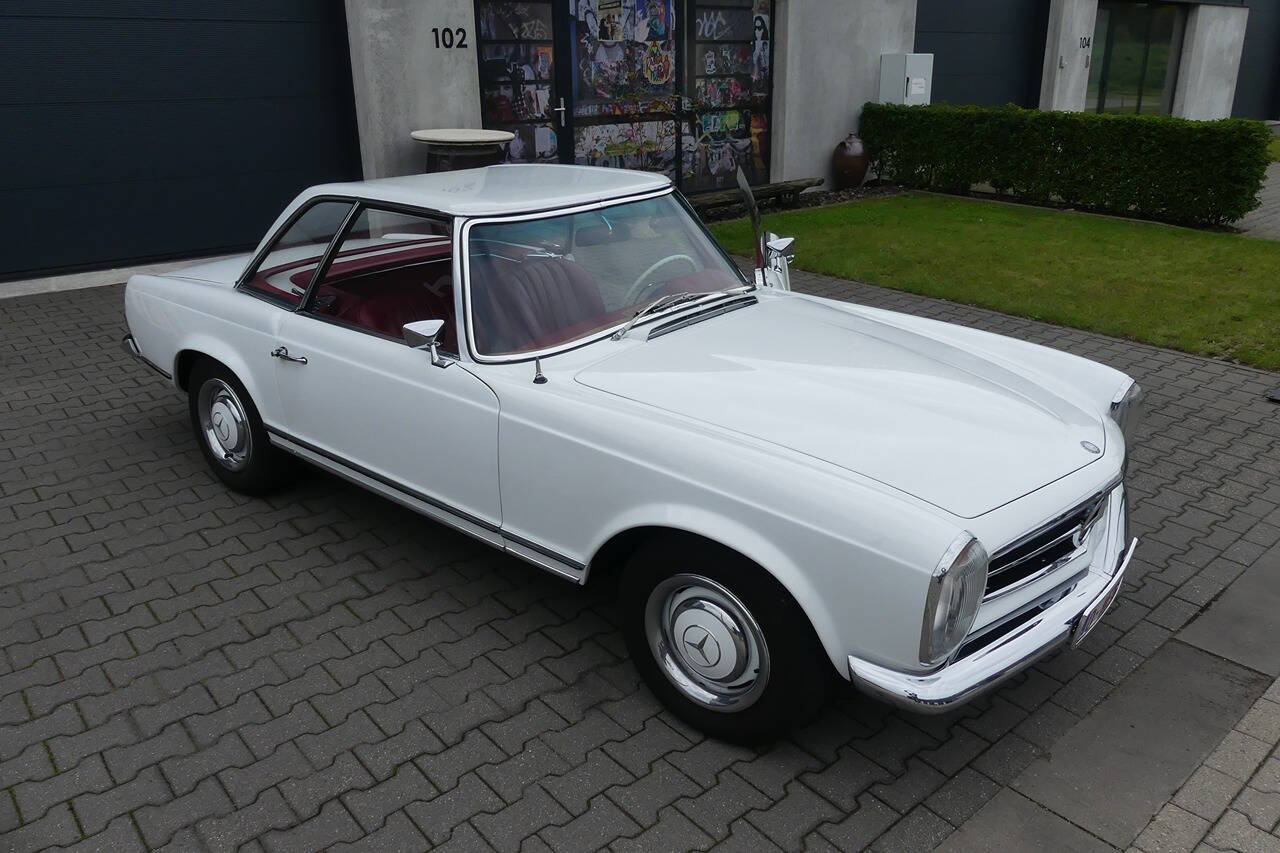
<point x="670" y="301"/>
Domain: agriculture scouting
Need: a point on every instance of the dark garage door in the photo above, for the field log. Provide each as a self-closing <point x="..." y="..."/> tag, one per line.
<point x="137" y="129"/>
<point x="1258" y="85"/>
<point x="987" y="52"/>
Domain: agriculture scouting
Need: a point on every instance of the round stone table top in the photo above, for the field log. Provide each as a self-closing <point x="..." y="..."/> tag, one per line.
<point x="453" y="136"/>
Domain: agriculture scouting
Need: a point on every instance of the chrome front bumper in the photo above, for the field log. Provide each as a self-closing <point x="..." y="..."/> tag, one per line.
<point x="965" y="679"/>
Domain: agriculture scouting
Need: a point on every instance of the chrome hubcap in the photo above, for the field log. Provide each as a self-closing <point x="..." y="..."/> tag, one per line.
<point x="707" y="642"/>
<point x="224" y="425"/>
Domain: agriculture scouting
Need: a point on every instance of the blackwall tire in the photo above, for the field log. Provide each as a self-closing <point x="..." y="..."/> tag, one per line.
<point x="719" y="641"/>
<point x="230" y="432"/>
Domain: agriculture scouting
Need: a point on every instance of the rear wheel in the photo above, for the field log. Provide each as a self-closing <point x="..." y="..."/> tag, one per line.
<point x="720" y="641"/>
<point x="230" y="431"/>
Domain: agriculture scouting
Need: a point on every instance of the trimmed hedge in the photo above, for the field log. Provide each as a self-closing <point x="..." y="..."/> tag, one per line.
<point x="1154" y="167"/>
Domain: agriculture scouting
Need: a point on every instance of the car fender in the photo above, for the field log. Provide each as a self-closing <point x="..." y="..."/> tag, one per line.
<point x="211" y="347"/>
<point x="743" y="539"/>
<point x="169" y="316"/>
<point x="834" y="597"/>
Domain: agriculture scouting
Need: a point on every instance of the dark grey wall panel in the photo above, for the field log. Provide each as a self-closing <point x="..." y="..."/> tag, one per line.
<point x="987" y="52"/>
<point x="135" y="129"/>
<point x="1258" y="86"/>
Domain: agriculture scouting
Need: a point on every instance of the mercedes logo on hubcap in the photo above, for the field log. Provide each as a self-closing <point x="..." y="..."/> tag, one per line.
<point x="701" y="646"/>
<point x="220" y="427"/>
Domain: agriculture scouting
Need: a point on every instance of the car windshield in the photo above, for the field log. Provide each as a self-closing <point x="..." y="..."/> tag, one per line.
<point x="540" y="283"/>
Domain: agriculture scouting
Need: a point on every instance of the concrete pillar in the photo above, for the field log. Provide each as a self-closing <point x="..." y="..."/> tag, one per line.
<point x="826" y="66"/>
<point x="404" y="82"/>
<point x="1067" y="47"/>
<point x="1211" y="50"/>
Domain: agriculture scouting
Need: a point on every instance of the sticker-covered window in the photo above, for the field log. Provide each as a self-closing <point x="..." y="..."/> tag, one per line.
<point x="729" y="84"/>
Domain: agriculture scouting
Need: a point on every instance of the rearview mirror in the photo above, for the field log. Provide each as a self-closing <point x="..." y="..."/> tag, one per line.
<point x="427" y="334"/>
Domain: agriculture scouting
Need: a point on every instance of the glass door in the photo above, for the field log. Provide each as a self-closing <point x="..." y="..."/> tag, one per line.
<point x="729" y="70"/>
<point x="625" y="88"/>
<point x="1134" y="63"/>
<point x="519" y="90"/>
<point x="681" y="87"/>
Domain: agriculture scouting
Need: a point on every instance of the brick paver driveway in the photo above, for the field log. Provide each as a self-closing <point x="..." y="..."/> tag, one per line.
<point x="183" y="665"/>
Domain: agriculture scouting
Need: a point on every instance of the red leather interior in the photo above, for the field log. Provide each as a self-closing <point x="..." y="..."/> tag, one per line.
<point x="366" y="259"/>
<point x="382" y="292"/>
<point x="520" y="306"/>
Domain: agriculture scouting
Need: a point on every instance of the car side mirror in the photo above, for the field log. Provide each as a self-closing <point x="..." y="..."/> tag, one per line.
<point x="784" y="247"/>
<point x="779" y="252"/>
<point x="427" y="334"/>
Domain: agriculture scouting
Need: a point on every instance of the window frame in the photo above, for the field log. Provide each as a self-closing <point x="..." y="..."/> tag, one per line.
<point x="361" y="205"/>
<point x="242" y="283"/>
<point x="463" y="246"/>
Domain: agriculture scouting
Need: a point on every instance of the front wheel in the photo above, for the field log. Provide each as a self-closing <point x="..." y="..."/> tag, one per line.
<point x="230" y="431"/>
<point x="720" y="641"/>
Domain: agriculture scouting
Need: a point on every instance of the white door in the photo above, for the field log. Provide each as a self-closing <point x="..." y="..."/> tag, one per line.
<point x="384" y="411"/>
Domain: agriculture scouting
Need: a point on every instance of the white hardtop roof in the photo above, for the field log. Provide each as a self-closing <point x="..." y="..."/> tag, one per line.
<point x="501" y="190"/>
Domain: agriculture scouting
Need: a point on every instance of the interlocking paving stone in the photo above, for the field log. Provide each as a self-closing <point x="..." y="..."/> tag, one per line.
<point x="350" y="645"/>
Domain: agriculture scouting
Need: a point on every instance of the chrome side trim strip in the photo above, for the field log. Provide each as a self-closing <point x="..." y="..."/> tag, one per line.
<point x="131" y="347"/>
<point x="435" y="509"/>
<point x="485" y="533"/>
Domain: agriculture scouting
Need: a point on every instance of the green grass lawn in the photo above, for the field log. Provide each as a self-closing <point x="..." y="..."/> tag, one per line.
<point x="1204" y="292"/>
<point x="1274" y="150"/>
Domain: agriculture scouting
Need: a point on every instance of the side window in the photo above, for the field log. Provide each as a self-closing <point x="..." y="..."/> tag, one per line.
<point x="391" y="269"/>
<point x="287" y="268"/>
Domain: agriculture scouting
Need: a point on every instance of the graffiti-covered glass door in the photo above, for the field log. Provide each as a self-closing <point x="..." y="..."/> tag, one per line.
<point x="729" y="72"/>
<point x="681" y="87"/>
<point x="625" y="97"/>
<point x="519" y="90"/>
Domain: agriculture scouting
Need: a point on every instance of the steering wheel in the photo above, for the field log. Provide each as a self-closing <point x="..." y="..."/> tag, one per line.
<point x="639" y="287"/>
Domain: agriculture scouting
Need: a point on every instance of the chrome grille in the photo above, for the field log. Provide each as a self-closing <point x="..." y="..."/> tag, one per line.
<point x="1044" y="549"/>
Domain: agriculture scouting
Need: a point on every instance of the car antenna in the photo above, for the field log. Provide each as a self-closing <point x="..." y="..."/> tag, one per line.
<point x="753" y="210"/>
<point x="538" y="378"/>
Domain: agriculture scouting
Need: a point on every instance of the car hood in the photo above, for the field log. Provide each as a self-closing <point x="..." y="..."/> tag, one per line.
<point x="928" y="418"/>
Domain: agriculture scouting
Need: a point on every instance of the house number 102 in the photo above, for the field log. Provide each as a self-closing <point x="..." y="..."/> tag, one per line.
<point x="449" y="37"/>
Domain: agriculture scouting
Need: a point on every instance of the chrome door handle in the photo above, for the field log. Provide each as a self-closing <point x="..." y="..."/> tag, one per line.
<point x="283" y="352"/>
<point x="560" y="109"/>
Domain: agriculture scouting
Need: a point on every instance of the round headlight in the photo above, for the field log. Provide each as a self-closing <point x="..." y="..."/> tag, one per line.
<point x="955" y="592"/>
<point x="1126" y="410"/>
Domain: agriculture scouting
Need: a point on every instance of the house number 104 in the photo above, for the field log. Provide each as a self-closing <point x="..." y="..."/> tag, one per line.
<point x="449" y="37"/>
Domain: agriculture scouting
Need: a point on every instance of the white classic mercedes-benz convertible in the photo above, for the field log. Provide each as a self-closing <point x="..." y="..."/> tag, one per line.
<point x="561" y="362"/>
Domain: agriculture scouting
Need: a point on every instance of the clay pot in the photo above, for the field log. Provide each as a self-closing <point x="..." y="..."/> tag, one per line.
<point x="849" y="163"/>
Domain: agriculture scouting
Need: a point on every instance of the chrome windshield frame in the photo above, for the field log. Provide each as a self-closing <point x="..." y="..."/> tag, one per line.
<point x="464" y="257"/>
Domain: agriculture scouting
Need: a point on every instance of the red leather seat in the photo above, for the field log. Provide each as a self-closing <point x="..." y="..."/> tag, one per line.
<point x="384" y="301"/>
<point x="518" y="304"/>
<point x="389" y="308"/>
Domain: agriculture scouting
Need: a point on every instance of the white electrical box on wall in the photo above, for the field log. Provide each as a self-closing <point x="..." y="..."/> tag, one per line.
<point x="906" y="78"/>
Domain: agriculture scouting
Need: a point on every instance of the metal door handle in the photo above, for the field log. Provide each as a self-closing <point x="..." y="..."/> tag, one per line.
<point x="560" y="109"/>
<point x="283" y="352"/>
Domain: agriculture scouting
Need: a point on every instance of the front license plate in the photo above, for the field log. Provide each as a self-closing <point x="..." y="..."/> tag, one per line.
<point x="1091" y="617"/>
